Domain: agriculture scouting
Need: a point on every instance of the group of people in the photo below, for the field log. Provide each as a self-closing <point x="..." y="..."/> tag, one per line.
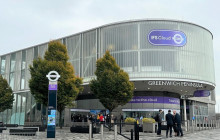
<point x="173" y="121"/>
<point x="99" y="118"/>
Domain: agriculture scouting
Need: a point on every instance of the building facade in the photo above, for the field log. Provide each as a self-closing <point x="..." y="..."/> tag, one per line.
<point x="169" y="62"/>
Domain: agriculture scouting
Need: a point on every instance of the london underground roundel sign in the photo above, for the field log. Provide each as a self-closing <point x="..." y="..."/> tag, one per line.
<point x="167" y="38"/>
<point x="53" y="74"/>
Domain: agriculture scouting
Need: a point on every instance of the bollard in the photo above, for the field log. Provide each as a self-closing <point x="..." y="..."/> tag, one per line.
<point x="208" y="125"/>
<point x="102" y="135"/>
<point x="213" y="121"/>
<point x="115" y="129"/>
<point x="131" y="134"/>
<point x="199" y="125"/>
<point x="136" y="131"/>
<point x="206" y="122"/>
<point x="218" y="123"/>
<point x="187" y="126"/>
<point x="211" y="124"/>
<point x="195" y="125"/>
<point x="192" y="127"/>
<point x="90" y="131"/>
<point x="202" y="124"/>
<point x="215" y="124"/>
<point x="120" y="126"/>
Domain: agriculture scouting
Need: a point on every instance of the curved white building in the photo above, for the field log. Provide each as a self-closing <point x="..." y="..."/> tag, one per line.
<point x="168" y="61"/>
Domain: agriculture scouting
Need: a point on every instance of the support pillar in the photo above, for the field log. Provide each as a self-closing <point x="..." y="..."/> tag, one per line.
<point x="185" y="118"/>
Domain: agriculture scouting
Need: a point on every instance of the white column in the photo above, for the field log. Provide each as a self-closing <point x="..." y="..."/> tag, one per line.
<point x="90" y="131"/>
<point x="184" y="108"/>
<point x="102" y="135"/>
<point x="115" y="132"/>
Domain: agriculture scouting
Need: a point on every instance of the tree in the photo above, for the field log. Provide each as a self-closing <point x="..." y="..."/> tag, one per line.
<point x="6" y="95"/>
<point x="111" y="86"/>
<point x="56" y="58"/>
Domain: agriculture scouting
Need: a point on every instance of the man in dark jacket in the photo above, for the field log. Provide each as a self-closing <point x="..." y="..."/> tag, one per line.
<point x="158" y="119"/>
<point x="169" y="119"/>
<point x="177" y="121"/>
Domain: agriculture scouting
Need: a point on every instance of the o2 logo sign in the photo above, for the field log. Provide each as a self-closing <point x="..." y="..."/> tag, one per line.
<point x="167" y="38"/>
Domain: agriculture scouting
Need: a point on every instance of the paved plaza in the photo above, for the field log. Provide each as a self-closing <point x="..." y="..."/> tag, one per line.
<point x="65" y="134"/>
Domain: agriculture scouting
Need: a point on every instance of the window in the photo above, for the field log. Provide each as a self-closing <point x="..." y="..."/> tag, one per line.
<point x="12" y="71"/>
<point x="2" y="66"/>
<point x="23" y="66"/>
<point x="35" y="52"/>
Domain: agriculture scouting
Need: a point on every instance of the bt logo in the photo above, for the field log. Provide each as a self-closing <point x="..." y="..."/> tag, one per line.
<point x="178" y="39"/>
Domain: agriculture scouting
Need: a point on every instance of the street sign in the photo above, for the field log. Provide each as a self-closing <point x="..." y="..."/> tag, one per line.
<point x="52" y="76"/>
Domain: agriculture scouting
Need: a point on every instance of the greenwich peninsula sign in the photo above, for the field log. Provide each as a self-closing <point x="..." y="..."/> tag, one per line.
<point x="175" y="83"/>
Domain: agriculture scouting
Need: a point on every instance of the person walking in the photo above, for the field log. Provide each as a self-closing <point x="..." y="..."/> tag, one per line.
<point x="169" y="119"/>
<point x="174" y="124"/>
<point x="158" y="119"/>
<point x="102" y="119"/>
<point x="177" y="121"/>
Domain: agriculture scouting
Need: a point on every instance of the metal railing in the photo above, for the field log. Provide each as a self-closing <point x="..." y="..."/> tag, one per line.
<point x="194" y="125"/>
<point x="190" y="126"/>
<point x="118" y="128"/>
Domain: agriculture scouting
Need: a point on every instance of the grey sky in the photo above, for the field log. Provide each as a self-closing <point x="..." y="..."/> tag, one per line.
<point x="25" y="23"/>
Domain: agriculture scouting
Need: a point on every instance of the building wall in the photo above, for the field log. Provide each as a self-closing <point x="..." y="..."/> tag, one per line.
<point x="129" y="45"/>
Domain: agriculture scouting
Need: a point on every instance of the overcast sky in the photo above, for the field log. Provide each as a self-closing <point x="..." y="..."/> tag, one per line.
<point x="25" y="23"/>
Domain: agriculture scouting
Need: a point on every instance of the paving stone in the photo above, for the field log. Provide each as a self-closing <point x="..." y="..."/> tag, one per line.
<point x="65" y="134"/>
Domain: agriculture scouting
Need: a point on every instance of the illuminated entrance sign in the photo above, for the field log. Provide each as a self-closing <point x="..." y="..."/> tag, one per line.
<point x="167" y="38"/>
<point x="155" y="99"/>
<point x="201" y="93"/>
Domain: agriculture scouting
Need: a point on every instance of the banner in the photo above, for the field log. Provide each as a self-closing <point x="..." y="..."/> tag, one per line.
<point x="155" y="99"/>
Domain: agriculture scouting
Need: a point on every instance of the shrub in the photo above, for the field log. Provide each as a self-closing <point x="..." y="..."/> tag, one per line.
<point x="130" y="120"/>
<point x="148" y="120"/>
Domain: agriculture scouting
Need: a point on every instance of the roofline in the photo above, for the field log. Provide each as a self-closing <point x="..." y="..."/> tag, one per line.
<point x="115" y="23"/>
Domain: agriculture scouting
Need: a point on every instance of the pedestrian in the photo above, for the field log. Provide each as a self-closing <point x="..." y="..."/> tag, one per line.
<point x="169" y="119"/>
<point x="98" y="118"/>
<point x="102" y="119"/>
<point x="158" y="119"/>
<point x="174" y="124"/>
<point x="177" y="121"/>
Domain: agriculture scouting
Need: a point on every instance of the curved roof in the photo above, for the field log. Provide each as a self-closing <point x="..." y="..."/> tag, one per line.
<point x="120" y="22"/>
<point x="138" y="20"/>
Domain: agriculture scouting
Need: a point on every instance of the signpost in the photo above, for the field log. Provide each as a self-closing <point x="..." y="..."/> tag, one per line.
<point x="53" y="76"/>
